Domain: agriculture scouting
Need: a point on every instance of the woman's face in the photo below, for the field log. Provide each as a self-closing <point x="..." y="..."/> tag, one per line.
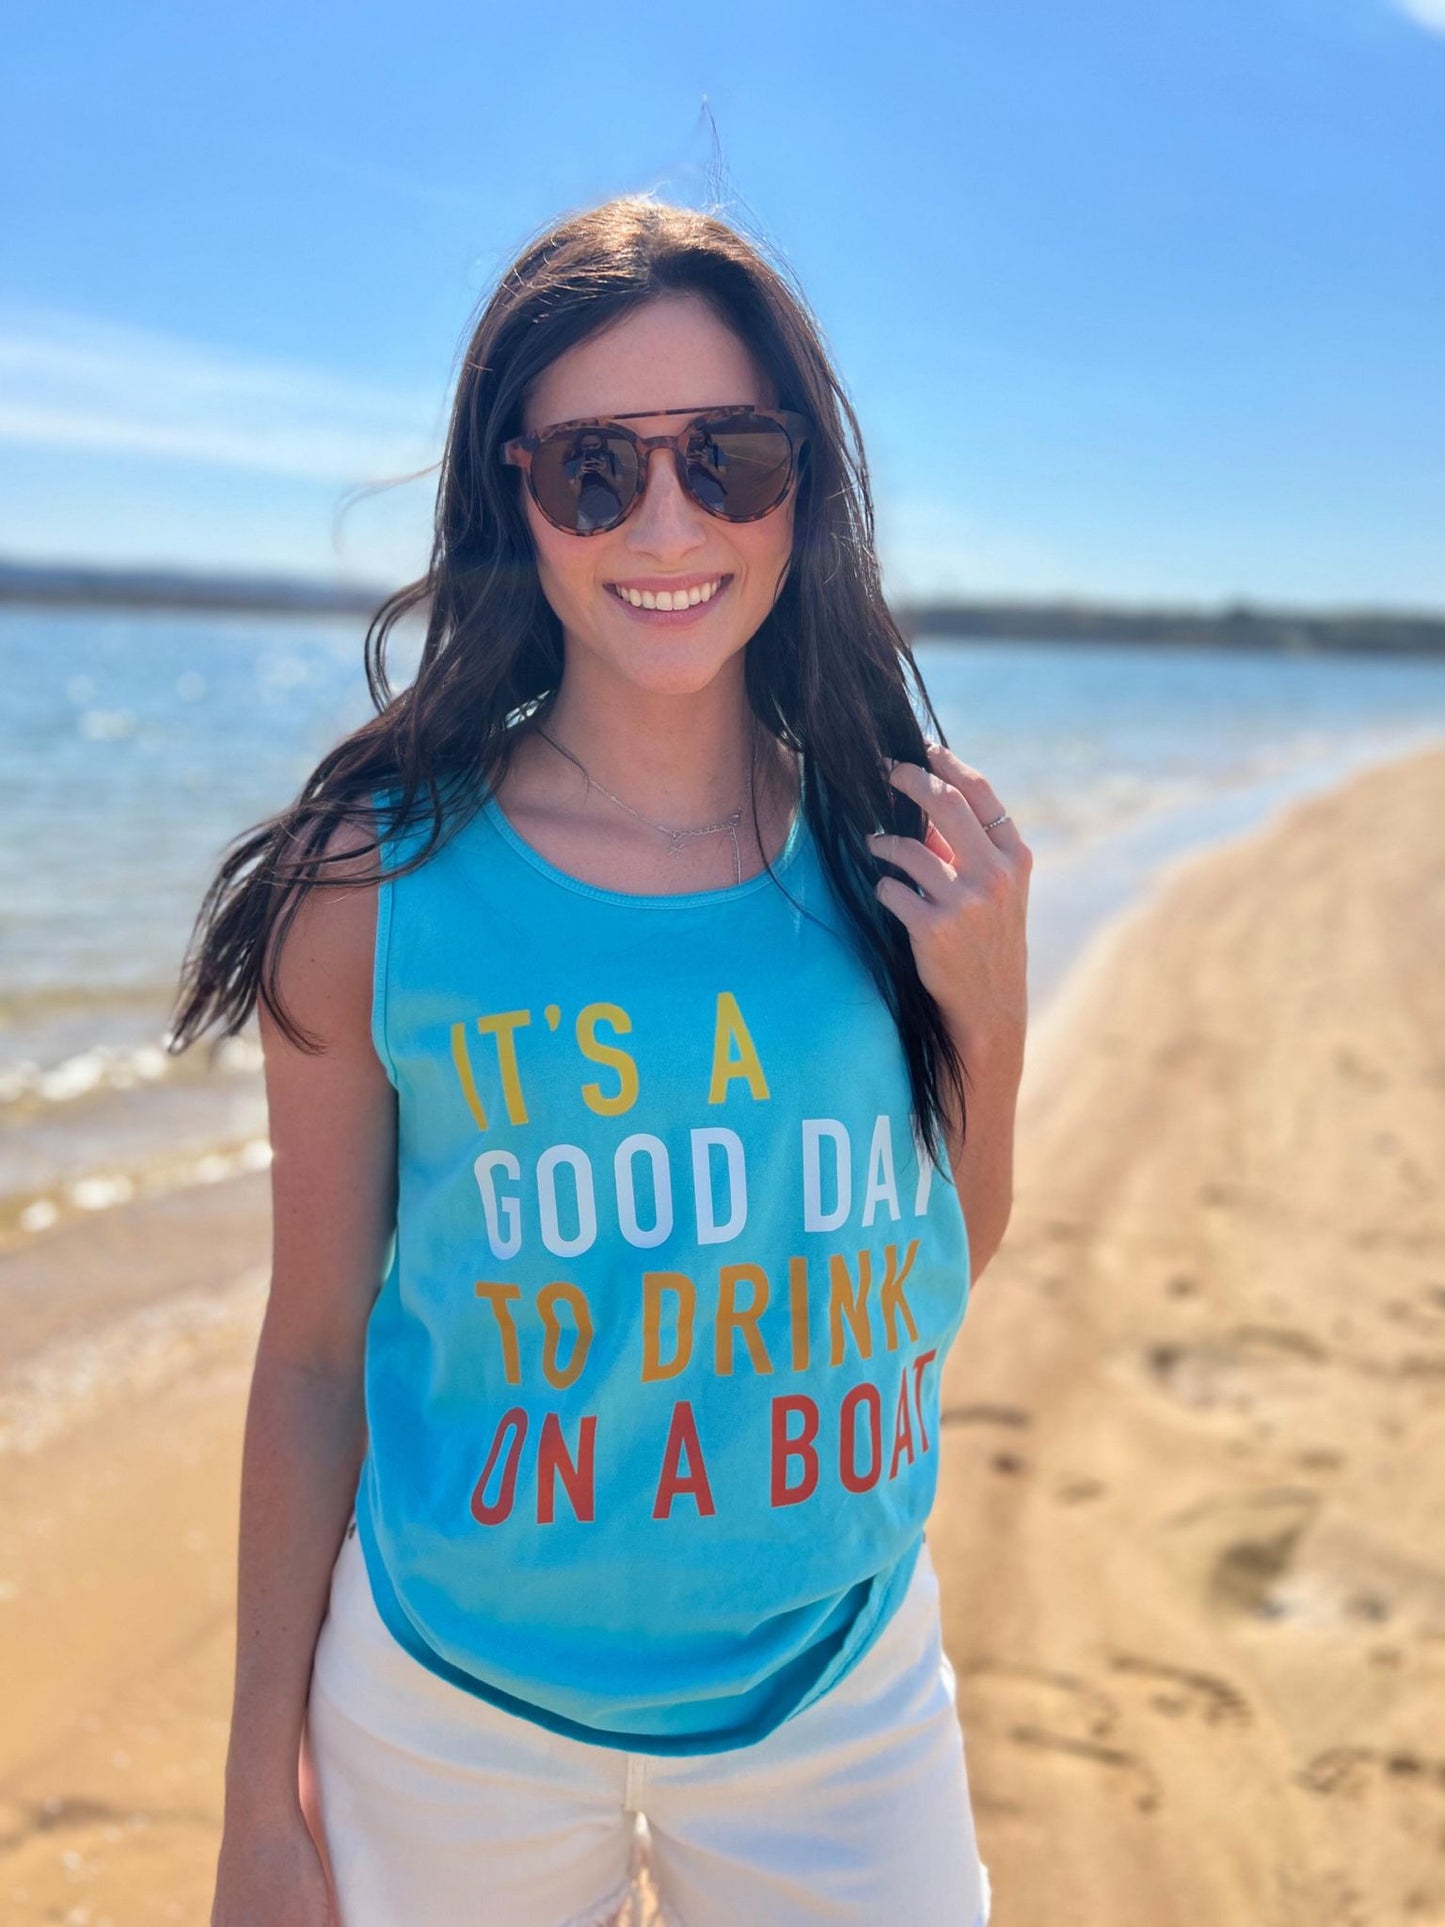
<point x="672" y="353"/>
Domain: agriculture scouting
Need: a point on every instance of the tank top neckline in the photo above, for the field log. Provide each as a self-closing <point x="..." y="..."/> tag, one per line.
<point x="653" y="900"/>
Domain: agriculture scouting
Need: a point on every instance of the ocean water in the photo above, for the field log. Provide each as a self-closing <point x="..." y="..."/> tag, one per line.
<point x="135" y="746"/>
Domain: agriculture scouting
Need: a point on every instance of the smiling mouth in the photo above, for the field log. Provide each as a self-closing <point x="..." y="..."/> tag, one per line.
<point x="671" y="601"/>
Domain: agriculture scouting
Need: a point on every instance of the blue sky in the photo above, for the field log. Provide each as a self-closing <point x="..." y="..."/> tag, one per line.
<point x="1132" y="300"/>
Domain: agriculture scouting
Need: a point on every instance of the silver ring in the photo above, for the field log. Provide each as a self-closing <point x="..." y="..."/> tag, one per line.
<point x="996" y="821"/>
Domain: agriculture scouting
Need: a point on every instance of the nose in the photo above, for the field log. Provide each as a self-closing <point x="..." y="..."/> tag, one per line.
<point x="666" y="520"/>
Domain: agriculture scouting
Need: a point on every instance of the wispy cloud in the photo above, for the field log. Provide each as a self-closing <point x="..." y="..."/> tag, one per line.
<point x="74" y="382"/>
<point x="1428" y="13"/>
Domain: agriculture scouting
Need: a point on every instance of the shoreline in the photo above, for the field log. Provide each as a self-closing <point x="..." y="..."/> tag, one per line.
<point x="1167" y="1087"/>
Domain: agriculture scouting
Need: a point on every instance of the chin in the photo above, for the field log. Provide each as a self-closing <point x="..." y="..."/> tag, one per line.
<point x="665" y="666"/>
<point x="674" y="678"/>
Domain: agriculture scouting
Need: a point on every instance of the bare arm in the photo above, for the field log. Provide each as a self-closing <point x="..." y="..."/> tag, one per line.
<point x="983" y="1164"/>
<point x="967" y="922"/>
<point x="333" y="1139"/>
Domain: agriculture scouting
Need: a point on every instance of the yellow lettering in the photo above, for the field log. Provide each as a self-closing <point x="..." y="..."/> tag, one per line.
<point x="730" y="1320"/>
<point x="731" y="1030"/>
<point x="464" y="1073"/>
<point x="504" y="1027"/>
<point x="654" y="1283"/>
<point x="890" y="1295"/>
<point x="612" y="1055"/>
<point x="562" y="1376"/>
<point x="844" y="1302"/>
<point x="499" y="1297"/>
<point x="798" y="1307"/>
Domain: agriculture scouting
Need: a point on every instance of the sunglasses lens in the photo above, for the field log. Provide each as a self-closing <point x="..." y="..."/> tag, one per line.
<point x="739" y="466"/>
<point x="585" y="481"/>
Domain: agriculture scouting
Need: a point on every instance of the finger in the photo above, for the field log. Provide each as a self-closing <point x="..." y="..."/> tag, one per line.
<point x="951" y="765"/>
<point x="979" y="792"/>
<point x="936" y="840"/>
<point x="925" y="866"/>
<point x="956" y="816"/>
<point x="911" y="910"/>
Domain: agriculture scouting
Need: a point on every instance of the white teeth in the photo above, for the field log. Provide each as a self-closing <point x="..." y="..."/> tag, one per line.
<point x="668" y="599"/>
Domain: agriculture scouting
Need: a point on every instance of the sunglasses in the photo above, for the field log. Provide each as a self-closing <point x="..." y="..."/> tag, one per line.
<point x="587" y="476"/>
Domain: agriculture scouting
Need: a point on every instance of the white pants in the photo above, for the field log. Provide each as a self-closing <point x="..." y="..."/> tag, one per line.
<point x="439" y="1810"/>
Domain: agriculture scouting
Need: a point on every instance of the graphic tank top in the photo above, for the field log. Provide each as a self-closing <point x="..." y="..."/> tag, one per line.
<point x="652" y="1377"/>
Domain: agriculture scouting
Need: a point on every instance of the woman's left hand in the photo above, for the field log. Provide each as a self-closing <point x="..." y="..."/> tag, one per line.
<point x="968" y="928"/>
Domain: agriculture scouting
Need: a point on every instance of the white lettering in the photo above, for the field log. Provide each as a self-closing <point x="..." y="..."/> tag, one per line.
<point x="622" y="1172"/>
<point x="709" y="1231"/>
<point x="815" y="1130"/>
<point x="547" y="1164"/>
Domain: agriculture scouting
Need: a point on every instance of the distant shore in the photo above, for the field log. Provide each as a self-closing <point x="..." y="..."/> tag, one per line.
<point x="60" y="585"/>
<point x="1238" y="626"/>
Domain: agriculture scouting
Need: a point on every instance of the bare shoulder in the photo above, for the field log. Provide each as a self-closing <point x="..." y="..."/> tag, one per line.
<point x="323" y="958"/>
<point x="333" y="1119"/>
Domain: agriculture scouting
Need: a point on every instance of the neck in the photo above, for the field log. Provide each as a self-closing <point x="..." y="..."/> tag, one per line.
<point x="677" y="760"/>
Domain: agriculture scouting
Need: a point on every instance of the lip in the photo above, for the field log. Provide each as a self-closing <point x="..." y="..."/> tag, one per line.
<point x="670" y="618"/>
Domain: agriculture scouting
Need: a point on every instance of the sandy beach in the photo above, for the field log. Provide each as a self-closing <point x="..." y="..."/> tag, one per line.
<point x="1191" y="1519"/>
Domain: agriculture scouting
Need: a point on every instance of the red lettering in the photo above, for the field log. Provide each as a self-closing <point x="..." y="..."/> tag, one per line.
<point x="515" y="1422"/>
<point x="853" y="1479"/>
<point x="682" y="1432"/>
<point x="902" y="1427"/>
<point x="554" y="1462"/>
<point x="801" y="1447"/>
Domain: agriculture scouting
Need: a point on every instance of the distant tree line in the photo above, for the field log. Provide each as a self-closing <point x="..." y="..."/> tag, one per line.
<point x="1239" y="625"/>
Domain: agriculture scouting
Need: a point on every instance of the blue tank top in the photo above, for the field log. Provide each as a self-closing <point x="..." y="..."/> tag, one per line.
<point x="652" y="1377"/>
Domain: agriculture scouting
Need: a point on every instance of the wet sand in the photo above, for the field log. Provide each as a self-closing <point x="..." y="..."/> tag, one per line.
<point x="1191" y="1521"/>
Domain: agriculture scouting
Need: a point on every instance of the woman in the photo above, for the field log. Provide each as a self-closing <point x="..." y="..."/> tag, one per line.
<point x="642" y="1067"/>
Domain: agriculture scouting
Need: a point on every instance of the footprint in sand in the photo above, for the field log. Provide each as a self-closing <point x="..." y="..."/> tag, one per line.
<point x="1180" y="1692"/>
<point x="1012" y="1415"/>
<point x="1320" y="1458"/>
<point x="1076" y="1491"/>
<point x="1355" y="1771"/>
<point x="1218" y="1368"/>
<point x="1235" y="1547"/>
<point x="977" y="1414"/>
<point x="1060" y="1714"/>
<point x="1387" y="1819"/>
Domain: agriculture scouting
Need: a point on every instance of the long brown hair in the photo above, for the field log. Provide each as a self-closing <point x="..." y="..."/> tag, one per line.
<point x="827" y="673"/>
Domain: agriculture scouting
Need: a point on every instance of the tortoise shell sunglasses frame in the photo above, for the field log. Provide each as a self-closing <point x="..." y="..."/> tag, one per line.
<point x="520" y="449"/>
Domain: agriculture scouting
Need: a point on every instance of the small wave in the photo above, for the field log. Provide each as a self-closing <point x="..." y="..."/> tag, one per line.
<point x="27" y="1084"/>
<point x="25" y="1218"/>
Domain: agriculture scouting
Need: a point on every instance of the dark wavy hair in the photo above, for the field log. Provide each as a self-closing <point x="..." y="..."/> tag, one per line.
<point x="827" y="672"/>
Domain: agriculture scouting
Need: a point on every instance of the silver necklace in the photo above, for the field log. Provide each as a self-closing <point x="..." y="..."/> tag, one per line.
<point x="676" y="838"/>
